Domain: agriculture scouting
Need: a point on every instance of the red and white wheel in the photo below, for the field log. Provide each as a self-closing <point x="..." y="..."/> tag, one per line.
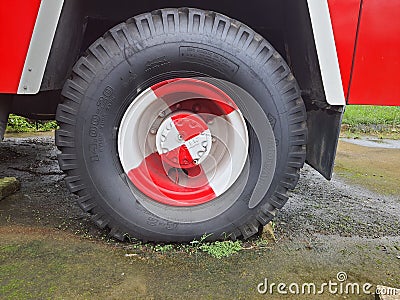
<point x="180" y="123"/>
<point x="183" y="142"/>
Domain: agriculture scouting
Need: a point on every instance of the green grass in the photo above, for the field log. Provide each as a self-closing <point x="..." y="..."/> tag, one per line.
<point x="218" y="249"/>
<point x="221" y="249"/>
<point x="380" y="121"/>
<point x="371" y="115"/>
<point x="20" y="124"/>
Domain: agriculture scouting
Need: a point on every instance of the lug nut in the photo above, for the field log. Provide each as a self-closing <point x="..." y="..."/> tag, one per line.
<point x="169" y="125"/>
<point x="161" y="114"/>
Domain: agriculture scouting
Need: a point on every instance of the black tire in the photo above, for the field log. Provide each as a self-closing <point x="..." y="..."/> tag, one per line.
<point x="136" y="54"/>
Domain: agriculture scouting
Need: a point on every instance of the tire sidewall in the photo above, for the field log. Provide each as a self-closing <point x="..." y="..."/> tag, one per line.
<point x="111" y="92"/>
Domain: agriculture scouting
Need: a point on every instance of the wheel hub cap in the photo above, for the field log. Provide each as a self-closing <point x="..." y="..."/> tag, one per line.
<point x="183" y="140"/>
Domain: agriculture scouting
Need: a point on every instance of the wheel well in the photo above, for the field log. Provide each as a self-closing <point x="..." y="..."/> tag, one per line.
<point x="285" y="24"/>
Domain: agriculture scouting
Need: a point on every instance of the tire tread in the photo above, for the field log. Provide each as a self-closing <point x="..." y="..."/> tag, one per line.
<point x="134" y="33"/>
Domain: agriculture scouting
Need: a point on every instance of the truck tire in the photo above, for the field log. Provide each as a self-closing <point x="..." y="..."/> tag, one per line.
<point x="179" y="123"/>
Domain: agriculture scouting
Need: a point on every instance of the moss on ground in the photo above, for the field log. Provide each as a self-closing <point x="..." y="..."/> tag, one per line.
<point x="363" y="166"/>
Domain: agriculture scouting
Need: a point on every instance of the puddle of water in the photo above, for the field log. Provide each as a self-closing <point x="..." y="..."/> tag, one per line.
<point x="374" y="142"/>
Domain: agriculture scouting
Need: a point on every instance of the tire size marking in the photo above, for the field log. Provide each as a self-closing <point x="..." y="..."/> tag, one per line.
<point x="105" y="101"/>
<point x="97" y="121"/>
<point x="166" y="224"/>
<point x="208" y="58"/>
<point x="153" y="220"/>
<point x="93" y="152"/>
<point x="157" y="63"/>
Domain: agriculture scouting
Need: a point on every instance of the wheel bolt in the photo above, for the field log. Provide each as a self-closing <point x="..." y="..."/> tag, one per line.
<point x="161" y="114"/>
<point x="153" y="131"/>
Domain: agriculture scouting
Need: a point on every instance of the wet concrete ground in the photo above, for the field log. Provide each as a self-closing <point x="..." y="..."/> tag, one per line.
<point x="50" y="249"/>
<point x="373" y="142"/>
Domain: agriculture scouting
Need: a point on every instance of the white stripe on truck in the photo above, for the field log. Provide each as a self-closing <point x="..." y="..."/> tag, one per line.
<point x="326" y="50"/>
<point x="40" y="45"/>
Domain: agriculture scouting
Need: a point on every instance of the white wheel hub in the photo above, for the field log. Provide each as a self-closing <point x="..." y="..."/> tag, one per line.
<point x="183" y="140"/>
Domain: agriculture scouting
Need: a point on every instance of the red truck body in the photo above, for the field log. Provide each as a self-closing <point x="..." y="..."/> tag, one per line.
<point x="367" y="35"/>
<point x="17" y="19"/>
